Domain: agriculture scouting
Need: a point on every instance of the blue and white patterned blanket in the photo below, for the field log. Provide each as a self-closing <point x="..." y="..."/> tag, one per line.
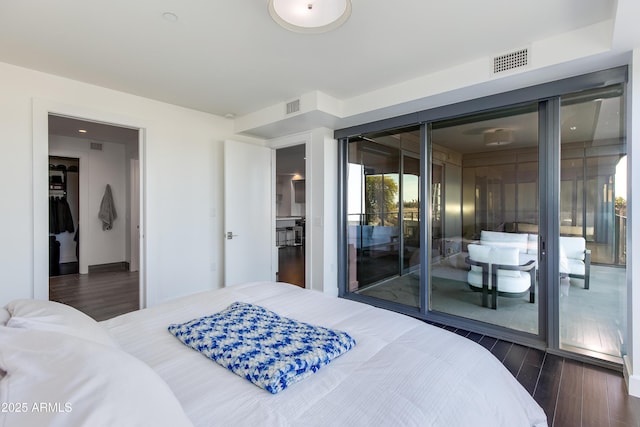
<point x="269" y="350"/>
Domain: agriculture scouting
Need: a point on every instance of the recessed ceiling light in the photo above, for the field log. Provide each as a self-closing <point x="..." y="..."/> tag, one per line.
<point x="170" y="17"/>
<point x="82" y="130"/>
<point x="310" y="16"/>
<point x="230" y="115"/>
<point x="573" y="128"/>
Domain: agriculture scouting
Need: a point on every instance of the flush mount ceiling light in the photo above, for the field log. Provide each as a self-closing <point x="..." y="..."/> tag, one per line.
<point x="310" y="16"/>
<point x="498" y="137"/>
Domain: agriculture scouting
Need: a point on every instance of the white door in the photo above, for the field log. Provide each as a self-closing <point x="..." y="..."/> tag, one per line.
<point x="248" y="214"/>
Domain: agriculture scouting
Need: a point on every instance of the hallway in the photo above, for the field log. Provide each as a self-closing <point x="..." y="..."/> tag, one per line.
<point x="100" y="295"/>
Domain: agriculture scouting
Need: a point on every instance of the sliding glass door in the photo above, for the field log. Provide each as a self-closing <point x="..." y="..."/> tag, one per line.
<point x="484" y="218"/>
<point x="506" y="215"/>
<point x="593" y="222"/>
<point x="383" y="216"/>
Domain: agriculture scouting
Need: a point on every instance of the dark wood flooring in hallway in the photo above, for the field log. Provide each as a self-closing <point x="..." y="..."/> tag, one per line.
<point x="291" y="265"/>
<point x="100" y="295"/>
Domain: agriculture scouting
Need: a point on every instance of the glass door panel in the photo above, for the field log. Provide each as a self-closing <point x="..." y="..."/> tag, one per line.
<point x="484" y="218"/>
<point x="593" y="199"/>
<point x="383" y="215"/>
<point x="411" y="215"/>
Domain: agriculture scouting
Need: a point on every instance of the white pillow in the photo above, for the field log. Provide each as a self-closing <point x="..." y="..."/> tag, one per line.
<point x="56" y="317"/>
<point x="479" y="253"/>
<point x="506" y="256"/>
<point x="573" y="247"/>
<point x="56" y="380"/>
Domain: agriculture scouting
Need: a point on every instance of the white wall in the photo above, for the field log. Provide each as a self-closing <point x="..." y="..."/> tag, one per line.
<point x="287" y="205"/>
<point x="102" y="167"/>
<point x="182" y="181"/>
<point x="322" y="221"/>
<point x="107" y="167"/>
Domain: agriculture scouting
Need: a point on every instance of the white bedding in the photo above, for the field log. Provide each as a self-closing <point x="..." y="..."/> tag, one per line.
<point x="402" y="372"/>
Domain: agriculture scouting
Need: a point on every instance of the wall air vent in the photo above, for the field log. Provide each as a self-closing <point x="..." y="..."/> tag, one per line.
<point x="96" y="146"/>
<point x="510" y="61"/>
<point x="293" y="106"/>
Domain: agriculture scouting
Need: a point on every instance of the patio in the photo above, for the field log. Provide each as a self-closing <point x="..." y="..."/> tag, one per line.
<point x="589" y="319"/>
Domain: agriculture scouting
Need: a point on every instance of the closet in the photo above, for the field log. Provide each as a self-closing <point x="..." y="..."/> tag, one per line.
<point x="63" y="215"/>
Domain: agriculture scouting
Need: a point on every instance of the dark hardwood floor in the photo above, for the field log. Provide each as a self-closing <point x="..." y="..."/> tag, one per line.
<point x="291" y="265"/>
<point x="100" y="295"/>
<point x="64" y="268"/>
<point x="572" y="394"/>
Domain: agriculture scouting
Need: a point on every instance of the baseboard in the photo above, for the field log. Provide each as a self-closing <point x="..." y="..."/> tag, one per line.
<point x="105" y="268"/>
<point x="633" y="381"/>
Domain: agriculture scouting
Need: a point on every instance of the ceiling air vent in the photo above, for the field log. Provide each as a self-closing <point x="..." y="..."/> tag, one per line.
<point x="509" y="61"/>
<point x="293" y="106"/>
<point x="96" y="146"/>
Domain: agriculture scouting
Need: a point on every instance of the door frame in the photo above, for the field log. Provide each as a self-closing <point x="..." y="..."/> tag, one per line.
<point x="290" y="141"/>
<point x="134" y="203"/>
<point x="40" y="126"/>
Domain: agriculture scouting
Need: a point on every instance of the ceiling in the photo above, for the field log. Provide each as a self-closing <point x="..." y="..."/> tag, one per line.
<point x="65" y="126"/>
<point x="231" y="58"/>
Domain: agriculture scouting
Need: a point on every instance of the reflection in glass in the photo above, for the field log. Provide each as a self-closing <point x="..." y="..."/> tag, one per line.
<point x="383" y="233"/>
<point x="411" y="215"/>
<point x="484" y="218"/>
<point x="593" y="221"/>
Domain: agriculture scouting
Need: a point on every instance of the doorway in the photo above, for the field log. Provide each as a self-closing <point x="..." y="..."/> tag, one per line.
<point x="104" y="202"/>
<point x="290" y="214"/>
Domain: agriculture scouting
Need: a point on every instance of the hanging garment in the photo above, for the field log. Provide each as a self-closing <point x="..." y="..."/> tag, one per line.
<point x="107" y="212"/>
<point x="60" y="218"/>
<point x="65" y="219"/>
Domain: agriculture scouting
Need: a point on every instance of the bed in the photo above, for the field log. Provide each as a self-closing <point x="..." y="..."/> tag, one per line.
<point x="130" y="370"/>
